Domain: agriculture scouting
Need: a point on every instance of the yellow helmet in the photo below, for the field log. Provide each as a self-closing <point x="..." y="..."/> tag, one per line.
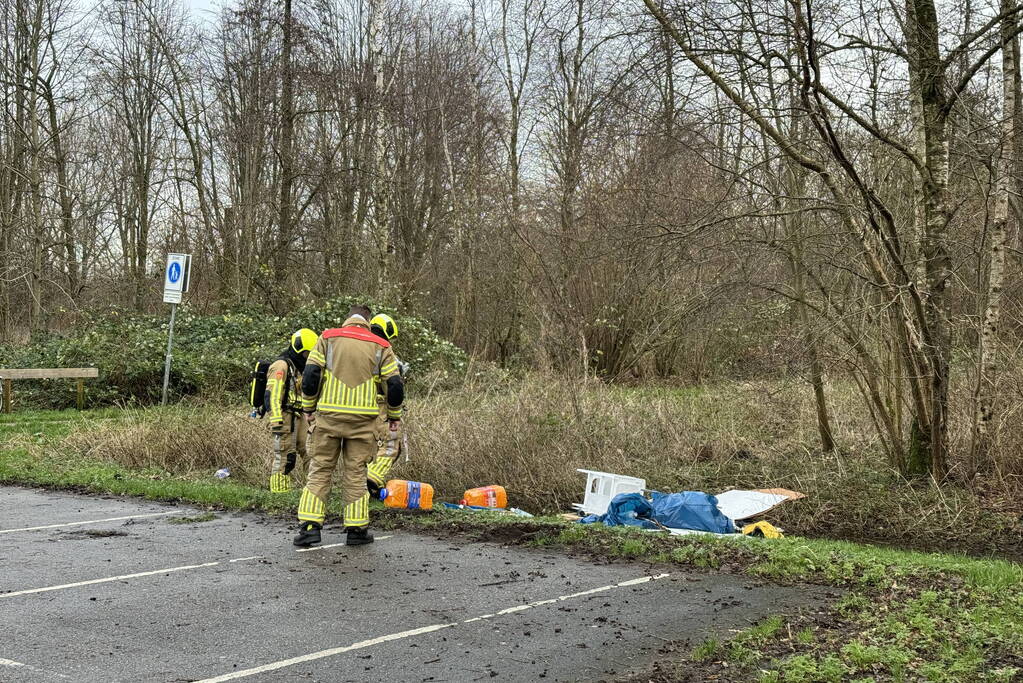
<point x="387" y="324"/>
<point x="303" y="340"/>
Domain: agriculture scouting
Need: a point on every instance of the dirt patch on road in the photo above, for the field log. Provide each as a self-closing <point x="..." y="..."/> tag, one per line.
<point x="83" y="534"/>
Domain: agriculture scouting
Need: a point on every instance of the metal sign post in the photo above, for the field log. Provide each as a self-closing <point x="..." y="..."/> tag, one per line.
<point x="175" y="283"/>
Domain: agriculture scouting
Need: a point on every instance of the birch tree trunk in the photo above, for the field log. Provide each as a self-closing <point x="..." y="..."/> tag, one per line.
<point x="378" y="195"/>
<point x="67" y="221"/>
<point x="934" y="243"/>
<point x="286" y="213"/>
<point x="30" y="72"/>
<point x="987" y="351"/>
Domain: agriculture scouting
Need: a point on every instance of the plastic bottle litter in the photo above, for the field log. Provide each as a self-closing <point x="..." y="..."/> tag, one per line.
<point x="222" y="473"/>
<point x="411" y="495"/>
<point x="486" y="496"/>
<point x="518" y="512"/>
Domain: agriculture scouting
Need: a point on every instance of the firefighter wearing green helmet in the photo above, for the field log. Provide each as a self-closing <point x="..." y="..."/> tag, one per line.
<point x="390" y="433"/>
<point x="283" y="401"/>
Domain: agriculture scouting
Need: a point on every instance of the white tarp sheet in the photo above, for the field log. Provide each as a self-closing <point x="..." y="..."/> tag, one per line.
<point x="739" y="504"/>
<point x="690" y="532"/>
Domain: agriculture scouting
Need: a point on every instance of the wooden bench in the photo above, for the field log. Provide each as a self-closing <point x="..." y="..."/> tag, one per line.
<point x="81" y="374"/>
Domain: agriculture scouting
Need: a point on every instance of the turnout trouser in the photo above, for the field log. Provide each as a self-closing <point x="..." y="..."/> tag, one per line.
<point x="288" y="445"/>
<point x="352" y="439"/>
<point x="388" y="450"/>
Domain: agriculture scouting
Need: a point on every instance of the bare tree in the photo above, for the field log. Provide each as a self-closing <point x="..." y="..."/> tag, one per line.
<point x="135" y="78"/>
<point x="921" y="313"/>
<point x="988" y="348"/>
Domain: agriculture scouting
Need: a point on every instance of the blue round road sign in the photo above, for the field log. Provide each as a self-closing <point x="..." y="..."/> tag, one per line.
<point x="174" y="272"/>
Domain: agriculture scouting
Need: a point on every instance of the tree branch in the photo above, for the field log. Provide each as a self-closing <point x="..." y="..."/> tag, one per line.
<point x="971" y="38"/>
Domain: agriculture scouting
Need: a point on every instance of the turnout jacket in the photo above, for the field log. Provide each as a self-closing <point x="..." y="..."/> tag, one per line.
<point x="347" y="369"/>
<point x="282" y="395"/>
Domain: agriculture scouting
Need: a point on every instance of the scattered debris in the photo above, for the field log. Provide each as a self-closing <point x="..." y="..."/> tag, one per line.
<point x="411" y="495"/>
<point x="739" y="504"/>
<point x="762" y="529"/>
<point x="686" y="510"/>
<point x="601" y="489"/>
<point x="615" y="499"/>
<point x="196" y="519"/>
<point x="480" y="508"/>
<point x="92" y="533"/>
<point x="486" y="496"/>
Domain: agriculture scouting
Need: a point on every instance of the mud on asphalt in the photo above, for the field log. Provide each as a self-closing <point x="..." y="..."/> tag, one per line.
<point x="101" y="589"/>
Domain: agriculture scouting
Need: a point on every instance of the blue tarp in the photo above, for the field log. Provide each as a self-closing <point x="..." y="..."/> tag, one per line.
<point x="629" y="509"/>
<point x="685" y="510"/>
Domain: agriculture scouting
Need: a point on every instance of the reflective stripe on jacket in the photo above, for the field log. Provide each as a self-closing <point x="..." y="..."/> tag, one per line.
<point x="356" y="365"/>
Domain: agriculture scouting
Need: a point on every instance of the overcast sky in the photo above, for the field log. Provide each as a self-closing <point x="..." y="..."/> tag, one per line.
<point x="203" y="9"/>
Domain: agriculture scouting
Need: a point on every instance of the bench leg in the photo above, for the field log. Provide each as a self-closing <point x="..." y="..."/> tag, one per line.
<point x="7" y="395"/>
<point x="81" y="394"/>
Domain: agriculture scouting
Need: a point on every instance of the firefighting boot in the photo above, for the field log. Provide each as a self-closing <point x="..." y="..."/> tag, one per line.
<point x="358" y="535"/>
<point x="308" y="534"/>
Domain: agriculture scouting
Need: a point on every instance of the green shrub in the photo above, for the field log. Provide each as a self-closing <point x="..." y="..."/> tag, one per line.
<point x="213" y="354"/>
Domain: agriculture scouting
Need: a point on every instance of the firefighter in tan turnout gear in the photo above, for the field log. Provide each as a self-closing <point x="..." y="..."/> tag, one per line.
<point x="339" y="395"/>
<point x="283" y="403"/>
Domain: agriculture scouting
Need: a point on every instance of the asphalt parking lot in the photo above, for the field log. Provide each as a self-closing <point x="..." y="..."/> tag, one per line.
<point x="110" y="589"/>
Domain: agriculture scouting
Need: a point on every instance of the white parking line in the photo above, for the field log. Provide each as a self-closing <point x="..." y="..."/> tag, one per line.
<point x="108" y="579"/>
<point x="332" y="545"/>
<point x="155" y="572"/>
<point x="91" y="521"/>
<point x="10" y="663"/>
<point x="274" y="666"/>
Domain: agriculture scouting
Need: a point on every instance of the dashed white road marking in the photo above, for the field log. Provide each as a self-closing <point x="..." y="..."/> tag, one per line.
<point x="332" y="545"/>
<point x="10" y="662"/>
<point x="108" y="579"/>
<point x="91" y="521"/>
<point x="274" y="666"/>
<point x="155" y="572"/>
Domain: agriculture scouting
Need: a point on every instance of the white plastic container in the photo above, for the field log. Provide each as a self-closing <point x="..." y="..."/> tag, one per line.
<point x="601" y="487"/>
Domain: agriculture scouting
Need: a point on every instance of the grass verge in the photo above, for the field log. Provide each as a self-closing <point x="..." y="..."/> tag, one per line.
<point x="903" y="615"/>
<point x="530" y="433"/>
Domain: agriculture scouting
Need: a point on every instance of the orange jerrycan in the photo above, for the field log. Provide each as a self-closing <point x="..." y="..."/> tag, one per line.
<point x="486" y="496"/>
<point x="412" y="495"/>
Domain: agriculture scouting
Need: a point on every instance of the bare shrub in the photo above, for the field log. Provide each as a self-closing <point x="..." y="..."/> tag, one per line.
<point x="185" y="440"/>
<point x="530" y="434"/>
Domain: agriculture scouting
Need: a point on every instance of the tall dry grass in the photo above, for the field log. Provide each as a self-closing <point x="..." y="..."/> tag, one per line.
<point x="530" y="433"/>
<point x="187" y="440"/>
